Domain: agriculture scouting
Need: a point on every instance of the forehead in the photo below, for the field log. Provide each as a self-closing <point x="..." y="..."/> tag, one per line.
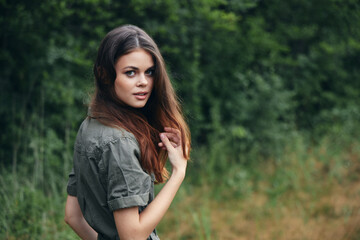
<point x="138" y="58"/>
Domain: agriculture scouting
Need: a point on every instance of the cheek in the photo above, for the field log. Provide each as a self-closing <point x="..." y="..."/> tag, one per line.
<point x="122" y="84"/>
<point x="120" y="88"/>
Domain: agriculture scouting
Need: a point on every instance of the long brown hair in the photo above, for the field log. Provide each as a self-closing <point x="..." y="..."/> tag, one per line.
<point x="161" y="110"/>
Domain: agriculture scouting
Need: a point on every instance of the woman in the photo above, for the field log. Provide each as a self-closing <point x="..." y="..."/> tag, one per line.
<point x="134" y="124"/>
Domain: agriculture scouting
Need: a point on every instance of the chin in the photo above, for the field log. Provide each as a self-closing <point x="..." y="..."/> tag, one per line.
<point x="138" y="105"/>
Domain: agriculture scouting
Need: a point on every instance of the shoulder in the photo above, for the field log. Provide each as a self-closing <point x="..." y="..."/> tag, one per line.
<point x="92" y="132"/>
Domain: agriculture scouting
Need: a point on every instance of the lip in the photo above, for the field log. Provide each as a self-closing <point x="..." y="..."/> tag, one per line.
<point x="141" y="95"/>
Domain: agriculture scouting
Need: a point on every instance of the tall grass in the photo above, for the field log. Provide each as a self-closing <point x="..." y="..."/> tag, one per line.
<point x="308" y="192"/>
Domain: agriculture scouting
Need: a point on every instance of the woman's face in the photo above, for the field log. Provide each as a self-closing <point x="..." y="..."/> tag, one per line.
<point x="134" y="78"/>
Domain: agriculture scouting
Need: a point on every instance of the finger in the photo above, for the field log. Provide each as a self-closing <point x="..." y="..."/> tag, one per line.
<point x="173" y="134"/>
<point x="166" y="141"/>
<point x="173" y="138"/>
<point x="162" y="147"/>
<point x="160" y="144"/>
<point x="174" y="144"/>
<point x="173" y="130"/>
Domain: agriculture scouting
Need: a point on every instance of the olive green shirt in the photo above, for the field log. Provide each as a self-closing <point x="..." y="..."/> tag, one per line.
<point x="107" y="176"/>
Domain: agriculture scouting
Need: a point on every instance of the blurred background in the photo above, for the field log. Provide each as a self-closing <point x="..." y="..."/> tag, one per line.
<point x="271" y="90"/>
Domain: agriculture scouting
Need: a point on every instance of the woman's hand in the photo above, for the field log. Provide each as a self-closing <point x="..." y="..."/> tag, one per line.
<point x="171" y="141"/>
<point x="132" y="225"/>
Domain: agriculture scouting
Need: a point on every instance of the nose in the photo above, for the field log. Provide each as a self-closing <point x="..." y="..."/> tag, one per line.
<point x="142" y="81"/>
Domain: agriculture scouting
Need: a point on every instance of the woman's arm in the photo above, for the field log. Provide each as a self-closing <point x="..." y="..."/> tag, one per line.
<point x="132" y="225"/>
<point x="76" y="220"/>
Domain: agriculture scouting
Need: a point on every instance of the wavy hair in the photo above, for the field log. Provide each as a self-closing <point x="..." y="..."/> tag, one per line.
<point x="161" y="110"/>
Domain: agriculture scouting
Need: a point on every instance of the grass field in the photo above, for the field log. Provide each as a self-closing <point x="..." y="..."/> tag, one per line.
<point x="331" y="213"/>
<point x="313" y="194"/>
<point x="310" y="193"/>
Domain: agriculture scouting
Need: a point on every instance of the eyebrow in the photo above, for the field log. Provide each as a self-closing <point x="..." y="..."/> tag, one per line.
<point x="132" y="67"/>
<point x="136" y="68"/>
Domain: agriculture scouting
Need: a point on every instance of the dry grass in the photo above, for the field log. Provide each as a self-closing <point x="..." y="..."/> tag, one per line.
<point x="320" y="207"/>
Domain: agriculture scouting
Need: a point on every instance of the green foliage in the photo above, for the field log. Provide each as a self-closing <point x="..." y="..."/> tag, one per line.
<point x="252" y="76"/>
<point x="29" y="213"/>
<point x="247" y="71"/>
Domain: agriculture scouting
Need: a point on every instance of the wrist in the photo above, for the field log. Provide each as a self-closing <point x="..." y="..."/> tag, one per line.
<point x="178" y="173"/>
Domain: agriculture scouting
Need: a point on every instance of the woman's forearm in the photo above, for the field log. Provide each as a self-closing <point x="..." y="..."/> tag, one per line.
<point x="153" y="213"/>
<point x="132" y="225"/>
<point x="82" y="229"/>
<point x="75" y="219"/>
<point x="142" y="225"/>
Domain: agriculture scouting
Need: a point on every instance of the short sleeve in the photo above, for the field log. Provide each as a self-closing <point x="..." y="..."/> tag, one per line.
<point x="128" y="185"/>
<point x="71" y="186"/>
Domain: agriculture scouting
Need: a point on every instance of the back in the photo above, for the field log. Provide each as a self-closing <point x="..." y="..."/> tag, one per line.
<point x="107" y="176"/>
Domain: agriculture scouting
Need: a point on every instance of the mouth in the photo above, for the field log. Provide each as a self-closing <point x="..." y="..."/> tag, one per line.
<point x="140" y="94"/>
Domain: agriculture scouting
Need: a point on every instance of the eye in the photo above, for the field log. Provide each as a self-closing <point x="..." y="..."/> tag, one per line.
<point x="130" y="73"/>
<point x="150" y="72"/>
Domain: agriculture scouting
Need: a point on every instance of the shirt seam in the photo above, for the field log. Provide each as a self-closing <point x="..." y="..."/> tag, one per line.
<point x="122" y="202"/>
<point x="115" y="140"/>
